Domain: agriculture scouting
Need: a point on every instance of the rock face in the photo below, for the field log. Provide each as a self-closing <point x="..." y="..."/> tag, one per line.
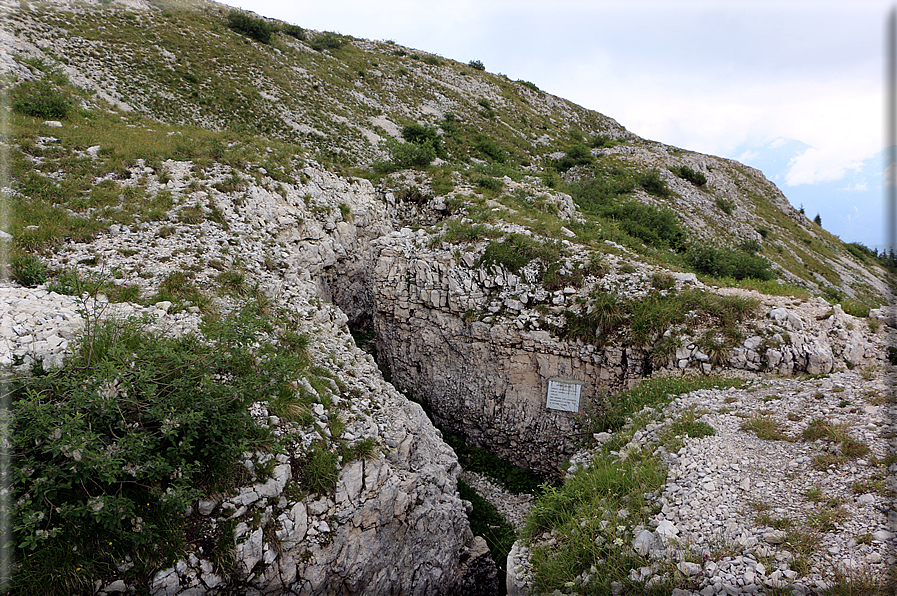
<point x="488" y="376"/>
<point x="394" y="523"/>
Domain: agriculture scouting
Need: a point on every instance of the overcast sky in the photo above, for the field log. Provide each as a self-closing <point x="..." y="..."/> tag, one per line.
<point x="726" y="77"/>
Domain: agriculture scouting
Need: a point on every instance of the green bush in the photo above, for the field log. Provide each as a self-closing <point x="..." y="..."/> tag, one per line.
<point x="28" y="270"/>
<point x="252" y="27"/>
<point x="602" y="141"/>
<point x="328" y="40"/>
<point x="727" y="262"/>
<point x="424" y="136"/>
<point x="431" y="60"/>
<point x="528" y="84"/>
<point x="686" y="173"/>
<point x="725" y="205"/>
<point x="409" y="155"/>
<point x="110" y="449"/>
<point x="295" y="31"/>
<point x="655" y="227"/>
<point x="652" y="183"/>
<point x="489" y="183"/>
<point x="490" y="148"/>
<point x="40" y="99"/>
<point x="488" y="111"/>
<point x="576" y="155"/>
<point x="517" y="250"/>
<point x="476" y="64"/>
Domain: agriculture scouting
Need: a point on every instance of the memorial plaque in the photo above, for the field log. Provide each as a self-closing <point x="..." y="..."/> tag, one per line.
<point x="563" y="394"/>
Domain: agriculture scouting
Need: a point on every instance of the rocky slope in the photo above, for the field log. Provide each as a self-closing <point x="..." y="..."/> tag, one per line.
<point x="192" y="151"/>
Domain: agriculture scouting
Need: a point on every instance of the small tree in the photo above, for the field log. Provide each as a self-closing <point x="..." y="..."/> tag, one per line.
<point x="476" y="64"/>
<point x="818" y="220"/>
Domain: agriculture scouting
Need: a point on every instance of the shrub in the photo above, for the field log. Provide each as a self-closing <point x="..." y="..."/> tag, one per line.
<point x="725" y="205"/>
<point x="652" y="183"/>
<point x="409" y="155"/>
<point x="476" y="64"/>
<point x="686" y="173"/>
<point x="601" y="141"/>
<point x="40" y="99"/>
<point x="656" y="227"/>
<point x="490" y="183"/>
<point x="28" y="270"/>
<point x="488" y="111"/>
<point x="491" y="149"/>
<point x="727" y="262"/>
<point x="424" y="136"/>
<point x="111" y="448"/>
<point x="431" y="60"/>
<point x="517" y="250"/>
<point x="818" y="220"/>
<point x="295" y="31"/>
<point x="255" y="28"/>
<point x="576" y="155"/>
<point x="328" y="40"/>
<point x="528" y="84"/>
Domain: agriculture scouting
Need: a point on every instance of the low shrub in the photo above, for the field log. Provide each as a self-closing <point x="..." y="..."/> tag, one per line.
<point x="328" y="40"/>
<point x="652" y="183"/>
<point x="255" y="28"/>
<point x="655" y="227"/>
<point x="295" y="31"/>
<point x="727" y="262"/>
<point x="409" y="155"/>
<point x="489" y="183"/>
<point x="28" y="270"/>
<point x="476" y="65"/>
<point x="576" y="155"/>
<point x="40" y="99"/>
<point x="686" y="173"/>
<point x="602" y="141"/>
<point x="488" y="111"/>
<point x="111" y="448"/>
<point x="490" y="148"/>
<point x="727" y="206"/>
<point x="517" y="250"/>
<point x="424" y="136"/>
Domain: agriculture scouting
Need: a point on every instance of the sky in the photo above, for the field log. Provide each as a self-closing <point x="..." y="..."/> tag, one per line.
<point x="792" y="87"/>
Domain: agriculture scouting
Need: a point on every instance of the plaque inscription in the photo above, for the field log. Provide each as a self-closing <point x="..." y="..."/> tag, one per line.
<point x="563" y="394"/>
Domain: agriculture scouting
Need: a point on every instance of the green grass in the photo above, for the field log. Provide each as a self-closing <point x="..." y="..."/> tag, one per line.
<point x="486" y="521"/>
<point x="648" y="317"/>
<point x="575" y="512"/>
<point x="765" y="428"/>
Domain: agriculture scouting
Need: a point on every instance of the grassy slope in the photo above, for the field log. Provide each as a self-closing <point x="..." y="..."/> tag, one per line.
<point x="181" y="65"/>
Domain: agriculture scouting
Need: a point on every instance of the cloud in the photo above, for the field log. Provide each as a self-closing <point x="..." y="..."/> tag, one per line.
<point x="778" y="143"/>
<point x="819" y="165"/>
<point x="748" y="156"/>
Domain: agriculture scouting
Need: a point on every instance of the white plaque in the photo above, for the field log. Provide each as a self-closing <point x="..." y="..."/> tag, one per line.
<point x="563" y="394"/>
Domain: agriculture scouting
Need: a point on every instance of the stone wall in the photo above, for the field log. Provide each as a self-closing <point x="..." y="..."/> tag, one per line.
<point x="468" y="342"/>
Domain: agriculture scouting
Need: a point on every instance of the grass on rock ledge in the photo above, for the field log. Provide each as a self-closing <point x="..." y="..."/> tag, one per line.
<point x="583" y="529"/>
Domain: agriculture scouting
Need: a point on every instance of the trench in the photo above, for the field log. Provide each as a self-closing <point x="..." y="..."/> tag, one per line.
<point x="485" y="518"/>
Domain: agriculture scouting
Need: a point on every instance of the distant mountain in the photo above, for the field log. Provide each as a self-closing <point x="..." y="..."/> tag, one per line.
<point x="851" y="208"/>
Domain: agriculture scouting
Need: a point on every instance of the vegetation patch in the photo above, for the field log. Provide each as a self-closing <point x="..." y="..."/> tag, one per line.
<point x="256" y="28"/>
<point x="131" y="430"/>
<point x="650" y="316"/>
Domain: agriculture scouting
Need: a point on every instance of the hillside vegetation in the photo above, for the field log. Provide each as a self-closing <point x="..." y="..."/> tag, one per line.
<point x="212" y="85"/>
<point x="250" y="180"/>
